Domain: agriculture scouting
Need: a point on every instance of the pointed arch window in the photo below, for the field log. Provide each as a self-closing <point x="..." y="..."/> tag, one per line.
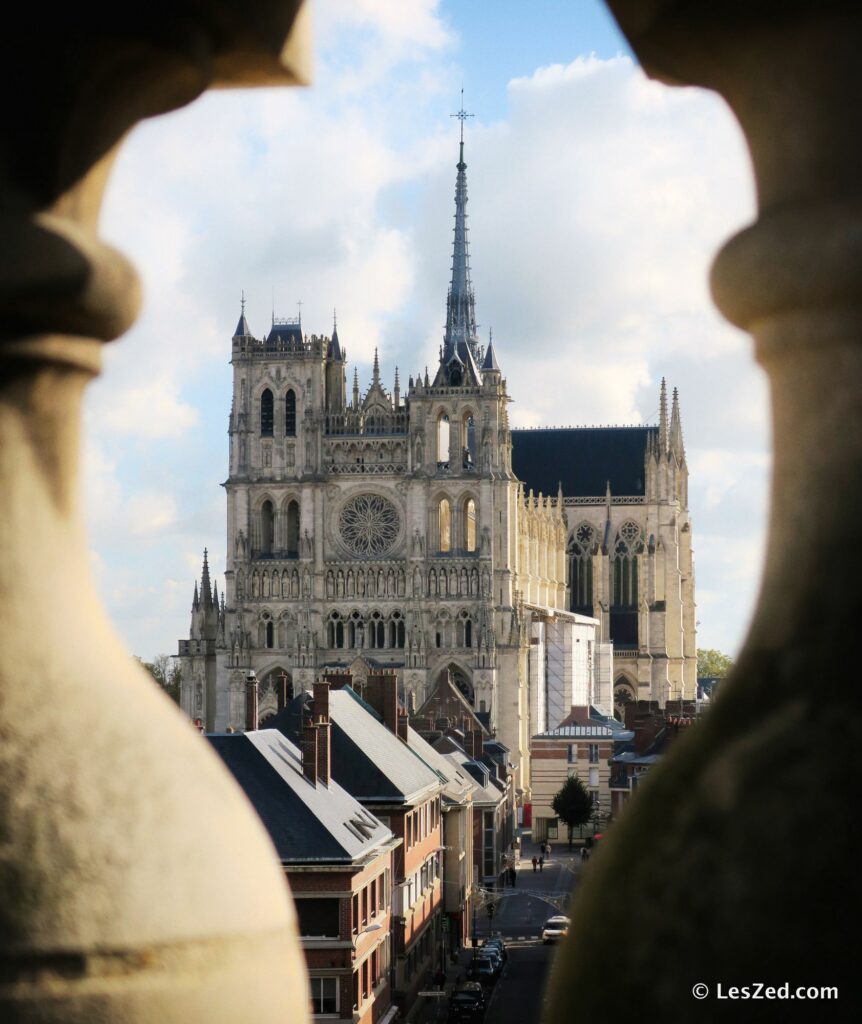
<point x="267" y="527"/>
<point x="624" y="584"/>
<point x="335" y="631"/>
<point x="266" y="413"/>
<point x="468" y="441"/>
<point x="290" y="414"/>
<point x="270" y="634"/>
<point x="581" y="568"/>
<point x="396" y="630"/>
<point x="470" y="525"/>
<point x="442" y="440"/>
<point x="293" y="530"/>
<point x="377" y="634"/>
<point x="444" y="511"/>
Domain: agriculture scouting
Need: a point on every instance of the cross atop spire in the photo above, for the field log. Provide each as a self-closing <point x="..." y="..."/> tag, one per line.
<point x="462" y="116"/>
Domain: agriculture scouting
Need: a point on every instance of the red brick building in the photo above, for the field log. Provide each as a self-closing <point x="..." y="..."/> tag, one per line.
<point x="337" y="856"/>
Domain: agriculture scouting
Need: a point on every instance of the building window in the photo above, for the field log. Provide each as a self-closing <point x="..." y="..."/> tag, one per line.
<point x="581" y="567"/>
<point x="594" y="753"/>
<point x="625" y="566"/>
<point x="572" y="753"/>
<point x="293" y="529"/>
<point x="267" y="527"/>
<point x="470" y="525"/>
<point x="443" y="440"/>
<point x="468" y="441"/>
<point x="335" y="631"/>
<point x="270" y="634"/>
<point x="445" y="526"/>
<point x="266" y="413"/>
<point x="324" y="995"/>
<point x="290" y="414"/>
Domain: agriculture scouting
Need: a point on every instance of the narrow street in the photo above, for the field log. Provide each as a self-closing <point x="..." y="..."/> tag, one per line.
<point x="519" y="994"/>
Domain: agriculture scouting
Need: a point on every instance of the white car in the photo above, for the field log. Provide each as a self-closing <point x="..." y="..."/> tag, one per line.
<point x="555" y="928"/>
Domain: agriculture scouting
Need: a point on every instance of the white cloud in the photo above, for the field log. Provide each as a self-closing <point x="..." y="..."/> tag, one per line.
<point x="595" y="209"/>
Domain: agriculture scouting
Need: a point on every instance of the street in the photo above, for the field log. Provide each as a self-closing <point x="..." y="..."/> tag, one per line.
<point x="519" y="994"/>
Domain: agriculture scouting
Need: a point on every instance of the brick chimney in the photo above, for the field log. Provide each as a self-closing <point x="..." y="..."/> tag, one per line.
<point x="320" y="712"/>
<point x="281" y="691"/>
<point x="338" y="680"/>
<point x="381" y="692"/>
<point x="475" y="744"/>
<point x="309" y="752"/>
<point x="250" y="702"/>
<point x="402" y="722"/>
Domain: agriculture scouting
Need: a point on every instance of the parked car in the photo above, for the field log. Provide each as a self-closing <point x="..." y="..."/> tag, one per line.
<point x="555" y="928"/>
<point x="500" y="946"/>
<point x="467" y="1003"/>
<point x="492" y="953"/>
<point x="483" y="970"/>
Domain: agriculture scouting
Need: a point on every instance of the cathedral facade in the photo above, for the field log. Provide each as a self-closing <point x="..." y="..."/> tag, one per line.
<point x="418" y="531"/>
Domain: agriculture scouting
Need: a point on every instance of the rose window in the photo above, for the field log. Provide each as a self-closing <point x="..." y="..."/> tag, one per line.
<point x="369" y="525"/>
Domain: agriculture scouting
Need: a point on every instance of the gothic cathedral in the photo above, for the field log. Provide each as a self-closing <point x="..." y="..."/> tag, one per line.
<point x="419" y="532"/>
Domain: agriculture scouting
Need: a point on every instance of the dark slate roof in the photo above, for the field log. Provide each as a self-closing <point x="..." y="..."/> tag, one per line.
<point x="307" y="824"/>
<point x="287" y="333"/>
<point x="490" y="362"/>
<point x="367" y="759"/>
<point x="582" y="459"/>
<point x="242" y="330"/>
<point x="334" y="350"/>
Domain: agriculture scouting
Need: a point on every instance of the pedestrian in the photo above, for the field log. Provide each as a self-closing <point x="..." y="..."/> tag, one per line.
<point x="440" y="978"/>
<point x="535" y="863"/>
<point x="583" y="853"/>
<point x="547" y="851"/>
<point x="513" y="877"/>
<point x="541" y="863"/>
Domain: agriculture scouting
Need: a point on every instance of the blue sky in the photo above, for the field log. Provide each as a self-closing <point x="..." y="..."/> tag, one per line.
<point x="597" y="199"/>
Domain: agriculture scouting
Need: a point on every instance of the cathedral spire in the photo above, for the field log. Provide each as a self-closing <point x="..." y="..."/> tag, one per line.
<point x="662" y="417"/>
<point x="676" y="443"/>
<point x="461" y="314"/>
<point x="375" y="376"/>
<point x="242" y="330"/>
<point x="206" y="587"/>
<point x="355" y="387"/>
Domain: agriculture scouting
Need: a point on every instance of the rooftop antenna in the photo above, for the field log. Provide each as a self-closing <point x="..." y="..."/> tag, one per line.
<point x="273" y="305"/>
<point x="334" y="320"/>
<point x="242" y="302"/>
<point x="299" y="313"/>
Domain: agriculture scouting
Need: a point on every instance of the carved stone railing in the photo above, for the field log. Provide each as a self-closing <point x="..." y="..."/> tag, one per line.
<point x="734" y="863"/>
<point x="137" y="884"/>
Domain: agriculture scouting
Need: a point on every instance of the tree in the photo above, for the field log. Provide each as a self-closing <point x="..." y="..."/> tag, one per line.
<point x="168" y="676"/>
<point x="712" y="663"/>
<point x="573" y="804"/>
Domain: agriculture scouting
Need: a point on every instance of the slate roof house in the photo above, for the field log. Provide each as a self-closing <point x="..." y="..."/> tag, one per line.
<point x="337" y="857"/>
<point x="375" y="758"/>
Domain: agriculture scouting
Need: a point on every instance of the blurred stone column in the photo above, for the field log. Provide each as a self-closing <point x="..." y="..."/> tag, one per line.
<point x="733" y="862"/>
<point x="136" y="883"/>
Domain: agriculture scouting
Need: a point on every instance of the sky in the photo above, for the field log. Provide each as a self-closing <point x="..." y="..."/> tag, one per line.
<point x="597" y="200"/>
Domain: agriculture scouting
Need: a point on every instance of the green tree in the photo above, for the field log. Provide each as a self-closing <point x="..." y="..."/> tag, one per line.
<point x="166" y="674"/>
<point x="573" y="804"/>
<point x="712" y="663"/>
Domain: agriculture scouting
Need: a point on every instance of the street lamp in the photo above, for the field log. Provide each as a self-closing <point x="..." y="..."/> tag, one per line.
<point x="369" y="928"/>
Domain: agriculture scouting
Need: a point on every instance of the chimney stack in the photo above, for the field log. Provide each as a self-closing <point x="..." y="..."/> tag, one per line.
<point x="338" y="680"/>
<point x="309" y="752"/>
<point x="475" y="744"/>
<point x="321" y="720"/>
<point x="282" y="694"/>
<point x="401" y="724"/>
<point x="382" y="694"/>
<point x="250" y="702"/>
